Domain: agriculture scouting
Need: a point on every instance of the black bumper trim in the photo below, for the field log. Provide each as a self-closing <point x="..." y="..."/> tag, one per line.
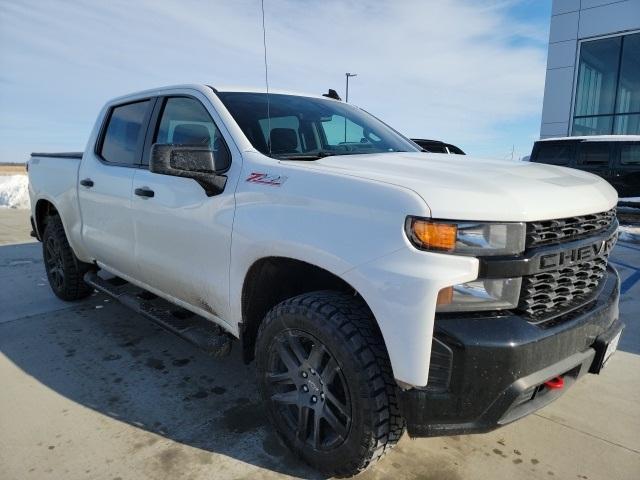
<point x="500" y="362"/>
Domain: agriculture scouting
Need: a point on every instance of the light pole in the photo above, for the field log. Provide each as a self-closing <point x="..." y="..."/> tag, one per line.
<point x="346" y="100"/>
<point x="347" y="75"/>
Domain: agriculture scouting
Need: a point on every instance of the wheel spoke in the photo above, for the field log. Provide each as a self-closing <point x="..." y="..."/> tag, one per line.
<point x="50" y="252"/>
<point x="279" y="378"/>
<point x="333" y="422"/>
<point x="315" y="356"/>
<point x="329" y="372"/>
<point x="316" y="429"/>
<point x="286" y="398"/>
<point x="296" y="347"/>
<point x="303" y="422"/>
<point x="287" y="358"/>
<point x="341" y="407"/>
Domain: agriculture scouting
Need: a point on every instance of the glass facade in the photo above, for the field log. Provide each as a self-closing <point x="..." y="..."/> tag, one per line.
<point x="607" y="97"/>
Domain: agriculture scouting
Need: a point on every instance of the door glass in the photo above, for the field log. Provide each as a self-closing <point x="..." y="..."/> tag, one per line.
<point x="630" y="154"/>
<point x="554" y="153"/>
<point x="123" y="135"/>
<point x="185" y="121"/>
<point x="593" y="154"/>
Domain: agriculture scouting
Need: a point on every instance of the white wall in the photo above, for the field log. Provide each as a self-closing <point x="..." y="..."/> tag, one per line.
<point x="572" y="21"/>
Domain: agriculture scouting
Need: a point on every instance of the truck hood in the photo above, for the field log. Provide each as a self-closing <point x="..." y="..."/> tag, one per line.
<point x="467" y="188"/>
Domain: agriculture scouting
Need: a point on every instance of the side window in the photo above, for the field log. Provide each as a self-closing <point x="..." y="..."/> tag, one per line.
<point x="593" y="153"/>
<point x="185" y="121"/>
<point x="338" y="132"/>
<point x="124" y="133"/>
<point x="630" y="154"/>
<point x="554" y="153"/>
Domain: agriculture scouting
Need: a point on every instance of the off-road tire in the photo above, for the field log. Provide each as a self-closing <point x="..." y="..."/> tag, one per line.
<point x="345" y="327"/>
<point x="64" y="271"/>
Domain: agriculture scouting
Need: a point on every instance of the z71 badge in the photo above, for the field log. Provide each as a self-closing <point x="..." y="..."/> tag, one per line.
<point x="266" y="179"/>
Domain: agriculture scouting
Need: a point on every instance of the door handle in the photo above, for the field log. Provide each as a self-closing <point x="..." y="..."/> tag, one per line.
<point x="87" y="182"/>
<point x="144" y="192"/>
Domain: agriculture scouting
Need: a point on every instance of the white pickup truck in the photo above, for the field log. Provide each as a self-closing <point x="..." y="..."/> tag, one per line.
<point x="378" y="288"/>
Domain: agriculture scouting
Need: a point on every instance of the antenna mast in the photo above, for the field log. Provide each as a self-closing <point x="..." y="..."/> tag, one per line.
<point x="266" y="76"/>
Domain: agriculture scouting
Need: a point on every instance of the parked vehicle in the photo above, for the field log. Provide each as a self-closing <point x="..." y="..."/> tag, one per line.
<point x="376" y="289"/>
<point x="436" y="146"/>
<point x="616" y="158"/>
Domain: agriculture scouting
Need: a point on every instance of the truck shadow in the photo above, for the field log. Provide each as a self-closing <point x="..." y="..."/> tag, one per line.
<point x="100" y="355"/>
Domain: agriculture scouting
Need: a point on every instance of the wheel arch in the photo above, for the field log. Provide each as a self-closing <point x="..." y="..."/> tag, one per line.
<point x="44" y="208"/>
<point x="270" y="280"/>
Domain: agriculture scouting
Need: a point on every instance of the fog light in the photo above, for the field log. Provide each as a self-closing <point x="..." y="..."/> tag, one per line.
<point x="482" y="294"/>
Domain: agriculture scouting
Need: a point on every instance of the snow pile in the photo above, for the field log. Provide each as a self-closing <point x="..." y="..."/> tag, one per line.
<point x="14" y="191"/>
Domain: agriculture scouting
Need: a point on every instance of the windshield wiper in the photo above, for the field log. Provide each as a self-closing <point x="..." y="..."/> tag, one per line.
<point x="304" y="156"/>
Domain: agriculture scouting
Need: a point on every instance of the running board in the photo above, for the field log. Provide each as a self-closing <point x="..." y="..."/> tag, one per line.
<point x="193" y="328"/>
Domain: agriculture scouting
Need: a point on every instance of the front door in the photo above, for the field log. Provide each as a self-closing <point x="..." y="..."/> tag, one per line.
<point x="183" y="236"/>
<point x="105" y="185"/>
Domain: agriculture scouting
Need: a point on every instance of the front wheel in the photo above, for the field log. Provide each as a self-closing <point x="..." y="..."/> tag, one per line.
<point x="326" y="380"/>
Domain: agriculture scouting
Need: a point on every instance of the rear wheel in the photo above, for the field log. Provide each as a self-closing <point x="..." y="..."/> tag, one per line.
<point x="64" y="271"/>
<point x="326" y="380"/>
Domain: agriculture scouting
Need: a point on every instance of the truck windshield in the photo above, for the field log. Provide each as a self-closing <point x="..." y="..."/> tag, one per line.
<point x="307" y="128"/>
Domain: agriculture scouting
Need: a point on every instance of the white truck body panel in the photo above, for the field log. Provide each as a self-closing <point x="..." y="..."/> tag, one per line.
<point x="344" y="214"/>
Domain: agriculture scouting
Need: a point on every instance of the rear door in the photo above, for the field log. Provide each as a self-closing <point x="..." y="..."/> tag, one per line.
<point x="106" y="178"/>
<point x="627" y="172"/>
<point x="596" y="158"/>
<point x="183" y="236"/>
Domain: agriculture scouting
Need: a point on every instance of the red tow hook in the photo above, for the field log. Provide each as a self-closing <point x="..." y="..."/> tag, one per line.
<point x="555" y="383"/>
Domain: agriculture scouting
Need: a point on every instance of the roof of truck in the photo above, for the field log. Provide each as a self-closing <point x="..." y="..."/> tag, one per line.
<point x="275" y="91"/>
<point x="202" y="87"/>
<point x="596" y="138"/>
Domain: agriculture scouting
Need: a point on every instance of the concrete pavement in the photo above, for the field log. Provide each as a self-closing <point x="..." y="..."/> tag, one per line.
<point x="92" y="391"/>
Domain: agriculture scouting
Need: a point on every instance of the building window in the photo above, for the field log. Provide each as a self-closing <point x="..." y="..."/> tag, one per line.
<point x="608" y="88"/>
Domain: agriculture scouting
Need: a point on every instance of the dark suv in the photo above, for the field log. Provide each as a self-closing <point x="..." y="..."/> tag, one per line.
<point x="436" y="146"/>
<point x="614" y="158"/>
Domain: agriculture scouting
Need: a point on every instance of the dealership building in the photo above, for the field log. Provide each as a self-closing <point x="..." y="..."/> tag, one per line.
<point x="593" y="69"/>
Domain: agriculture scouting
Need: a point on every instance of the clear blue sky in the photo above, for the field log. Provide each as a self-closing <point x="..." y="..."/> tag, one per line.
<point x="470" y="72"/>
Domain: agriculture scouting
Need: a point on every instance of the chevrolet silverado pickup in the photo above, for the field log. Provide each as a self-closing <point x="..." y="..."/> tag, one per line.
<point x="378" y="288"/>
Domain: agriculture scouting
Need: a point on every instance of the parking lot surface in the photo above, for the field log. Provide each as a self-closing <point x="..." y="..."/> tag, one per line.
<point x="91" y="390"/>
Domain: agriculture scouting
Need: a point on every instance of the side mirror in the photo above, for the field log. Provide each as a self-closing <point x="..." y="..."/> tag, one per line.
<point x="192" y="161"/>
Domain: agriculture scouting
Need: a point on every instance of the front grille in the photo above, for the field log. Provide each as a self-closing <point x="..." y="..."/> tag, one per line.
<point x="545" y="295"/>
<point x="566" y="229"/>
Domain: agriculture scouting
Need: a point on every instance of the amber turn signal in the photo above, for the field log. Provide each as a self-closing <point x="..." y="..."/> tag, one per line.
<point x="445" y="296"/>
<point x="432" y="235"/>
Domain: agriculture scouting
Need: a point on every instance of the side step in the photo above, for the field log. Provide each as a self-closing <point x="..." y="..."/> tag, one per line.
<point x="191" y="327"/>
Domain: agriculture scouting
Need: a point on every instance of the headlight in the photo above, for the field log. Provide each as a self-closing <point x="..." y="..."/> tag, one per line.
<point x="467" y="238"/>
<point x="485" y="294"/>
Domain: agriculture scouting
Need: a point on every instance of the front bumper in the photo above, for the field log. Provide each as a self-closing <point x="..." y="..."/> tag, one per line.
<point x="498" y="365"/>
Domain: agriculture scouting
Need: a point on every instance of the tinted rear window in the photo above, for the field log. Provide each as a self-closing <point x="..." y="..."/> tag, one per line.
<point x="630" y="154"/>
<point x="554" y="153"/>
<point x="593" y="153"/>
<point x="124" y="133"/>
